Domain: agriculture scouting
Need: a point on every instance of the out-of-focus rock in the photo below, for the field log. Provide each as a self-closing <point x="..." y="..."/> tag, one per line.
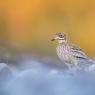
<point x="44" y="83"/>
<point x="5" y="76"/>
<point x="44" y="76"/>
<point x="5" y="72"/>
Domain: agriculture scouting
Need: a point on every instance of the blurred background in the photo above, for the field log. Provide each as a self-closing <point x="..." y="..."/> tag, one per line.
<point x="28" y="25"/>
<point x="26" y="30"/>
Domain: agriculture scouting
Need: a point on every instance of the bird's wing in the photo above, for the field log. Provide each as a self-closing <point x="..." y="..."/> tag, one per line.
<point x="77" y="52"/>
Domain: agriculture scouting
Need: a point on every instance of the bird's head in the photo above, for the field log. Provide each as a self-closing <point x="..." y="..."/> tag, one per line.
<point x="60" y="37"/>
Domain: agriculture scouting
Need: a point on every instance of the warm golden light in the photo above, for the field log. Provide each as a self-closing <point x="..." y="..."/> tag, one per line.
<point x="30" y="24"/>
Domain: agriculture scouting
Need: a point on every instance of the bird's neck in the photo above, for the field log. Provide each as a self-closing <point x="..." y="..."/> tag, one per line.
<point x="62" y="41"/>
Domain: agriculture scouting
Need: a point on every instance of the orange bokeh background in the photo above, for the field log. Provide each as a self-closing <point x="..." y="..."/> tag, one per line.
<point x="30" y="24"/>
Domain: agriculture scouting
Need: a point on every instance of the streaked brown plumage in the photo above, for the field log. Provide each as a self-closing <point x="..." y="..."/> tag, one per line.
<point x="68" y="53"/>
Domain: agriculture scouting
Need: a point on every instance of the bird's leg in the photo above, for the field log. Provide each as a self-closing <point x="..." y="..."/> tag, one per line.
<point x="70" y="66"/>
<point x="76" y="63"/>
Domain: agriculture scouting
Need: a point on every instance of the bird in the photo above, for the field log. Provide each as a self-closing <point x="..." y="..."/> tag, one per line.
<point x="70" y="54"/>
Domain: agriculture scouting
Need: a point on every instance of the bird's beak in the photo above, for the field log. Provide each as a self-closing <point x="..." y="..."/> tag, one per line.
<point x="53" y="39"/>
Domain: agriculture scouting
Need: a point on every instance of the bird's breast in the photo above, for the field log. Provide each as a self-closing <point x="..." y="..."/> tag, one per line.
<point x="63" y="53"/>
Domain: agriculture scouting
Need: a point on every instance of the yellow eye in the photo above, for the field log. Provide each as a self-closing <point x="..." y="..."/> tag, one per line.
<point x="61" y="36"/>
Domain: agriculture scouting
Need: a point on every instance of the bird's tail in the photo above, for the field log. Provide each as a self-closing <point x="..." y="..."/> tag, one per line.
<point x="91" y="66"/>
<point x="91" y="62"/>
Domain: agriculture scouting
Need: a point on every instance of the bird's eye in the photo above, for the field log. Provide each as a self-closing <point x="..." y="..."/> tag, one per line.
<point x="61" y="36"/>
